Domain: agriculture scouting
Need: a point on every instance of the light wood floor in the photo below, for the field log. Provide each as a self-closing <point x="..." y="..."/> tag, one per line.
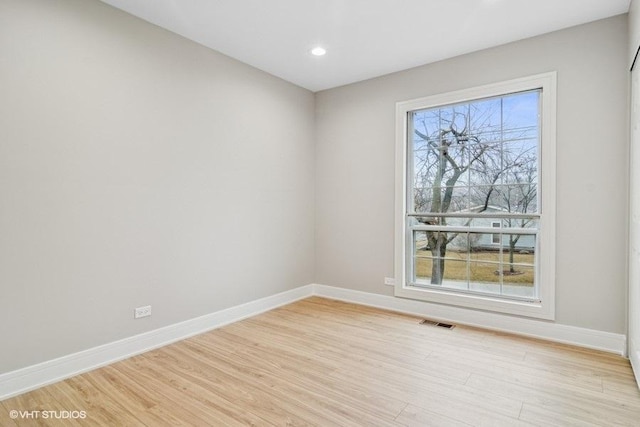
<point x="328" y="363"/>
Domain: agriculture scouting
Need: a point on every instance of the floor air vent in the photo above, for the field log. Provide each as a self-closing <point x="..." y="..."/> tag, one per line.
<point x="434" y="323"/>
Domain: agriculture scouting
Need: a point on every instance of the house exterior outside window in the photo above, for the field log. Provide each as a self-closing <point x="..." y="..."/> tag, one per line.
<point x="496" y="238"/>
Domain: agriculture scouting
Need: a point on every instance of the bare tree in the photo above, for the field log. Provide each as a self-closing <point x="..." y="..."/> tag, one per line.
<point x="444" y="152"/>
<point x="462" y="149"/>
<point x="521" y="197"/>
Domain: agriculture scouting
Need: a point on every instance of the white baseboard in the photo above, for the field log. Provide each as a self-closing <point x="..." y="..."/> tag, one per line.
<point x="550" y="331"/>
<point x="26" y="379"/>
<point x="32" y="377"/>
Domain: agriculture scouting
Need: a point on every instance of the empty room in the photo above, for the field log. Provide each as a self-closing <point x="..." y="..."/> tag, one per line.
<point x="327" y="213"/>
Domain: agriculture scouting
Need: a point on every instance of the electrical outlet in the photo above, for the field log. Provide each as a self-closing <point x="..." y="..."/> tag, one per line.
<point x="389" y="281"/>
<point x="142" y="312"/>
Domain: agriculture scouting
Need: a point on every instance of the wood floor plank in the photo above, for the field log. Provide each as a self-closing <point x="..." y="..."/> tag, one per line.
<point x="597" y="366"/>
<point x="31" y="405"/>
<point x="196" y="405"/>
<point x="321" y="362"/>
<point x="625" y="390"/>
<point x="520" y="372"/>
<point x="543" y="417"/>
<point x="150" y="407"/>
<point x="83" y="392"/>
<point x="429" y="393"/>
<point x="304" y="374"/>
<point x="418" y="417"/>
<point x="590" y="407"/>
<point x="217" y="379"/>
<point x="371" y="356"/>
<point x="5" y="419"/>
<point x="485" y="364"/>
<point x="475" y="413"/>
<point x="338" y="407"/>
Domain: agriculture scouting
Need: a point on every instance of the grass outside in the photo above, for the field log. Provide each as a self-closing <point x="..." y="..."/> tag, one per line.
<point x="483" y="267"/>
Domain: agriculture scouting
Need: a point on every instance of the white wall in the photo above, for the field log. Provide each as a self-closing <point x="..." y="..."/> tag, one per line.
<point x="633" y="339"/>
<point x="634" y="29"/>
<point x="137" y="168"/>
<point x="355" y="161"/>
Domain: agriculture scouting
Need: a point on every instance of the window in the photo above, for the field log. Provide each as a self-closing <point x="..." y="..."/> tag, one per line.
<point x="495" y="237"/>
<point x="476" y="199"/>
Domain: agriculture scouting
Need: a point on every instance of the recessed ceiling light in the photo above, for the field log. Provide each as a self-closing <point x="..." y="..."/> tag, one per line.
<point x="318" y="51"/>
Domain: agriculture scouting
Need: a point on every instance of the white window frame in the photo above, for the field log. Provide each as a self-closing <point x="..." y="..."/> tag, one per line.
<point x="544" y="306"/>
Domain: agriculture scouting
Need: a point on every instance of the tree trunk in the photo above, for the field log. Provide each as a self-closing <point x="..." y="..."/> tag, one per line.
<point x="440" y="203"/>
<point x="512" y="249"/>
<point x="438" y="252"/>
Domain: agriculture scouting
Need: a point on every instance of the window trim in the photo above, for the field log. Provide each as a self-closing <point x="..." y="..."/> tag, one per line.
<point x="545" y="307"/>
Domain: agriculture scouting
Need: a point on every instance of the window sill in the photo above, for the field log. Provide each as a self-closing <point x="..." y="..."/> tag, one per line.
<point x="535" y="309"/>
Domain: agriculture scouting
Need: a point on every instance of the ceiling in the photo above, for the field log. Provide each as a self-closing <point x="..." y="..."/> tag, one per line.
<point x="363" y="38"/>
